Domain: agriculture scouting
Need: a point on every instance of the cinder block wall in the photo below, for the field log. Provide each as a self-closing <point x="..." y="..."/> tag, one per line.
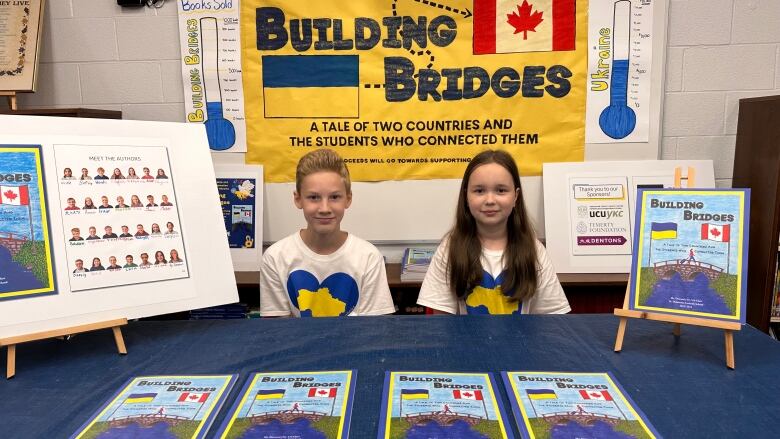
<point x="96" y="54"/>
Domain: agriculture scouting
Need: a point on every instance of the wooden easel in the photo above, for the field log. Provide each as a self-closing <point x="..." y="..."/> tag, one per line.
<point x="11" y="342"/>
<point x="11" y="95"/>
<point x="625" y="313"/>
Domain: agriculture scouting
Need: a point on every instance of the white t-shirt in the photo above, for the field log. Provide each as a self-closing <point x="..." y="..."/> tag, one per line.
<point x="487" y="298"/>
<point x="296" y="281"/>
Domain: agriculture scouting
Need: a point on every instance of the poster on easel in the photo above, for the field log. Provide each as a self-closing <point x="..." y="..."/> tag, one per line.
<point x="26" y="258"/>
<point x="691" y="253"/>
<point x="20" y="30"/>
<point x="161" y="406"/>
<point x="210" y="42"/>
<point x="241" y="197"/>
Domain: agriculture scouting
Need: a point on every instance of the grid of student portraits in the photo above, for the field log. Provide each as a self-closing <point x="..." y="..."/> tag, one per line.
<point x="119" y="215"/>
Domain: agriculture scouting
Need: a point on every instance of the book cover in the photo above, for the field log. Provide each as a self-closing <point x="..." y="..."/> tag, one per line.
<point x="691" y="253"/>
<point x="180" y="406"/>
<point x="292" y="405"/>
<point x="441" y="405"/>
<point x="567" y="405"/>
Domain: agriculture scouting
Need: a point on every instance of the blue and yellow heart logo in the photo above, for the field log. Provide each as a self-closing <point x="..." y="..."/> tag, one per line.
<point x="337" y="295"/>
<point x="487" y="297"/>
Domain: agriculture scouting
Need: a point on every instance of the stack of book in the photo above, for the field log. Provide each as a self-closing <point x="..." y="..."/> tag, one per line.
<point x="415" y="263"/>
<point x="230" y="311"/>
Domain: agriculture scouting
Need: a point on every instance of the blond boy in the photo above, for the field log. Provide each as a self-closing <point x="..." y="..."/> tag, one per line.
<point x="322" y="271"/>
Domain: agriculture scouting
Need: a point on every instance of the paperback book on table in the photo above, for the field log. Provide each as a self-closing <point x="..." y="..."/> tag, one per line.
<point x="415" y="263"/>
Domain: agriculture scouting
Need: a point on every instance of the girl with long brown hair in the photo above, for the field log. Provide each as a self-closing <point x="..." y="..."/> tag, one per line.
<point x="490" y="262"/>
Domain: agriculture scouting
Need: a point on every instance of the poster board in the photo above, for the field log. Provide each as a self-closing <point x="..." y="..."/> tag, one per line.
<point x="587" y="233"/>
<point x="241" y="198"/>
<point x="20" y="30"/>
<point x="204" y="277"/>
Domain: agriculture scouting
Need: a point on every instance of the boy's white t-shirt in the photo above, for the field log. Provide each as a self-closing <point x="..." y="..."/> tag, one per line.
<point x="487" y="297"/>
<point x="296" y="281"/>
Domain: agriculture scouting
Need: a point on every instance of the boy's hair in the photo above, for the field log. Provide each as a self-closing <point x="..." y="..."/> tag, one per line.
<point x="465" y="249"/>
<point x="321" y="160"/>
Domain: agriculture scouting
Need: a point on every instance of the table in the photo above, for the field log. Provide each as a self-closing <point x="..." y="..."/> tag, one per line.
<point x="681" y="384"/>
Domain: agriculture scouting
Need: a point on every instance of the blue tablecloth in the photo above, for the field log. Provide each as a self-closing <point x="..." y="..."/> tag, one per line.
<point x="682" y="384"/>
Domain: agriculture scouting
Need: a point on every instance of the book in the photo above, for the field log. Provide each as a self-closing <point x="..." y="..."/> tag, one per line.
<point x="565" y="404"/>
<point x="182" y="406"/>
<point x="441" y="404"/>
<point x="691" y="253"/>
<point x="293" y="405"/>
<point x="415" y="263"/>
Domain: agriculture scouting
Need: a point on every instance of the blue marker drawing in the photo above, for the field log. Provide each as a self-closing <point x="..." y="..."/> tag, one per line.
<point x="618" y="120"/>
<point x="220" y="131"/>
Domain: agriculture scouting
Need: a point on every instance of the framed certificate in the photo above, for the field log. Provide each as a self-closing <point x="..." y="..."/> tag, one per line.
<point x="20" y="29"/>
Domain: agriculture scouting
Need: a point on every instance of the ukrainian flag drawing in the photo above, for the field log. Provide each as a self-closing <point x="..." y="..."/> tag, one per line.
<point x="414" y="393"/>
<point x="140" y="397"/>
<point x="541" y="394"/>
<point x="663" y="230"/>
<point x="310" y="86"/>
<point x="270" y="394"/>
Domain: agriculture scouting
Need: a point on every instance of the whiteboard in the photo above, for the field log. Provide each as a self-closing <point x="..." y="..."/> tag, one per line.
<point x="210" y="280"/>
<point x="423" y="210"/>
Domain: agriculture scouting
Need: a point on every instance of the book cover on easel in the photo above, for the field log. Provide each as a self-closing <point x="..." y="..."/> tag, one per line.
<point x="292" y="405"/>
<point x="691" y="253"/>
<point x="574" y="405"/>
<point x="181" y="406"/>
<point x="441" y="405"/>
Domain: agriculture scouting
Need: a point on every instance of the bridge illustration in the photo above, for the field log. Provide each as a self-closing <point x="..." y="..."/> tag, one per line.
<point x="285" y="416"/>
<point x="12" y="241"/>
<point x="687" y="269"/>
<point x="442" y="418"/>
<point x="147" y="420"/>
<point x="581" y="417"/>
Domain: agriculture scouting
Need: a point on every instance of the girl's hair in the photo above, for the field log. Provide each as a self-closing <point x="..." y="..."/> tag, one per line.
<point x="321" y="160"/>
<point x="465" y="248"/>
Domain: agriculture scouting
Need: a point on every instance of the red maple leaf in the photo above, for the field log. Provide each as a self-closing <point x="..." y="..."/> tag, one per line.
<point x="10" y="195"/>
<point x="524" y="21"/>
<point x="714" y="232"/>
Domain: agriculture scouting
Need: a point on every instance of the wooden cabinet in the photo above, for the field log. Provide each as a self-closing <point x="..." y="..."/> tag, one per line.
<point x="757" y="166"/>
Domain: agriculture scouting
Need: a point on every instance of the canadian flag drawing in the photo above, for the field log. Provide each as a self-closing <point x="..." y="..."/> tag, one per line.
<point x="467" y="394"/>
<point x="322" y="392"/>
<point x="714" y="232"/>
<point x="194" y="397"/>
<point x="506" y="26"/>
<point x="14" y="195"/>
<point x="601" y="395"/>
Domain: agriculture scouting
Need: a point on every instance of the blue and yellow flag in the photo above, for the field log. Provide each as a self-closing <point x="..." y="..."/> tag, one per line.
<point x="663" y="230"/>
<point x="414" y="394"/>
<point x="270" y="394"/>
<point x="541" y="394"/>
<point x="140" y="397"/>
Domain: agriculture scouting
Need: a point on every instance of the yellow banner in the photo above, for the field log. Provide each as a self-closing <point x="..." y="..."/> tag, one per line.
<point x="412" y="89"/>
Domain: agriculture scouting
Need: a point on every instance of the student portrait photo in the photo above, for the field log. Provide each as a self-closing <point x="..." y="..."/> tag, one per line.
<point x="147" y="175"/>
<point x="129" y="262"/>
<point x="131" y="175"/>
<point x="135" y="201"/>
<point x="125" y="232"/>
<point x="150" y="199"/>
<point x="71" y="204"/>
<point x="156" y="229"/>
<point x="76" y="234"/>
<point x="85" y="174"/>
<point x="117" y="174"/>
<point x="101" y="174"/>
<point x="140" y="231"/>
<point x="169" y="229"/>
<point x="120" y="202"/>
<point x="112" y="264"/>
<point x="109" y="233"/>
<point x="145" y="260"/>
<point x="175" y="257"/>
<point x="88" y="204"/>
<point x="67" y="174"/>
<point x="79" y="267"/>
<point x="165" y="201"/>
<point x="104" y="203"/>
<point x="159" y="258"/>
<point x="92" y="234"/>
<point x="161" y="174"/>
<point x="96" y="265"/>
